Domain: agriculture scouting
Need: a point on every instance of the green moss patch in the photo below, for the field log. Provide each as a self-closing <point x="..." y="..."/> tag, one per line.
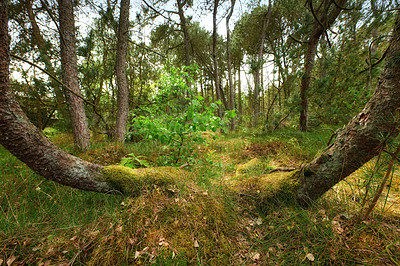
<point x="133" y="181"/>
<point x="273" y="186"/>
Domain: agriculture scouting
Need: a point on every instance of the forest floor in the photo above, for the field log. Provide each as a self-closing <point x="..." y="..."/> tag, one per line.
<point x="203" y="222"/>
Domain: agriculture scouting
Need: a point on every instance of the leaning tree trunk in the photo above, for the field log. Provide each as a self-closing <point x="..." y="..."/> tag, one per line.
<point x="120" y="68"/>
<point x="363" y="136"/>
<point x="69" y="69"/>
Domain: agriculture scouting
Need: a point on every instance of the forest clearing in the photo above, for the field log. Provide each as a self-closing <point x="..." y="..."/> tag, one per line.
<point x="133" y="134"/>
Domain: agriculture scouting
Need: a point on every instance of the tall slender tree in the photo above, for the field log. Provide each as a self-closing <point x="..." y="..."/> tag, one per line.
<point x="215" y="60"/>
<point x="44" y="53"/>
<point x="229" y="63"/>
<point x="69" y="69"/>
<point x="259" y="63"/>
<point x="120" y="67"/>
<point x="324" y="17"/>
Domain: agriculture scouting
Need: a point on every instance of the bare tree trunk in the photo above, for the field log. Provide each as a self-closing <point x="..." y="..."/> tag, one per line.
<point x="228" y="54"/>
<point x="216" y="77"/>
<point x="323" y="20"/>
<point x="239" y="93"/>
<point x="120" y="67"/>
<point x="69" y="68"/>
<point x="184" y="29"/>
<point x="259" y="64"/>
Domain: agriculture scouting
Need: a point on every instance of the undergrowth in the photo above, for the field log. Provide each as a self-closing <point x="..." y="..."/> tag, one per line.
<point x="198" y="223"/>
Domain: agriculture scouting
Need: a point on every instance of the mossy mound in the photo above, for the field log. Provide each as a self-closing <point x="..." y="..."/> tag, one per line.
<point x="246" y="167"/>
<point x="133" y="181"/>
<point x="179" y="228"/>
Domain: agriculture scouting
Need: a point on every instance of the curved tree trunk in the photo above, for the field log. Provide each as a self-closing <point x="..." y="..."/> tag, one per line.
<point x="69" y="68"/>
<point x="120" y="67"/>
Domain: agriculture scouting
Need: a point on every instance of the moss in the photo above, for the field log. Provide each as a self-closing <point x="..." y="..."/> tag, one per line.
<point x="244" y="168"/>
<point x="133" y="181"/>
<point x="274" y="186"/>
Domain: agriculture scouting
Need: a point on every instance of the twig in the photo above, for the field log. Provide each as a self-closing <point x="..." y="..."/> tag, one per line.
<point x="53" y="77"/>
<point x="377" y="62"/>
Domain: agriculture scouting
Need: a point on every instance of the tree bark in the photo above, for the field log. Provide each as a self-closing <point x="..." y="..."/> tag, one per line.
<point x="323" y="20"/>
<point x="69" y="68"/>
<point x="215" y="60"/>
<point x="259" y="64"/>
<point x="122" y="79"/>
<point x="183" y="24"/>
<point x="228" y="55"/>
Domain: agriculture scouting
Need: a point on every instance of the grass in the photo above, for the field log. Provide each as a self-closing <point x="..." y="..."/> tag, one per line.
<point x="200" y="222"/>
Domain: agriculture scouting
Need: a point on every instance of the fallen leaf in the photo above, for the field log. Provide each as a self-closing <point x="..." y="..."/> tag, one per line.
<point x="259" y="221"/>
<point x="37" y="248"/>
<point x="163" y="242"/>
<point x="137" y="254"/>
<point x="50" y="251"/>
<point x="10" y="260"/>
<point x="118" y="229"/>
<point x="196" y="244"/>
<point x="94" y="233"/>
<point x="256" y="256"/>
<point x="272" y="250"/>
<point x="26" y="242"/>
<point x="310" y="257"/>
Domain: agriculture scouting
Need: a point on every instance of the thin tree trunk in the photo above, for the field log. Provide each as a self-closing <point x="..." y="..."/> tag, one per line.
<point x="69" y="68"/>
<point x="259" y="64"/>
<point x="325" y="19"/>
<point x="228" y="54"/>
<point x="183" y="24"/>
<point x="240" y="93"/>
<point x="215" y="60"/>
<point x="44" y="51"/>
<point x="120" y="67"/>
